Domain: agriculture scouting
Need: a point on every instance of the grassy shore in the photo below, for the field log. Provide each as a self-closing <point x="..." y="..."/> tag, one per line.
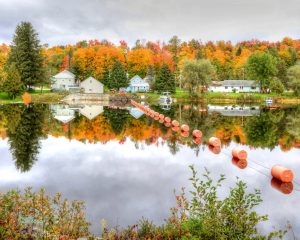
<point x="182" y="96"/>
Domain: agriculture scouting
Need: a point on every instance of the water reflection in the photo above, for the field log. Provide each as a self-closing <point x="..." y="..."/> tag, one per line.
<point x="125" y="164"/>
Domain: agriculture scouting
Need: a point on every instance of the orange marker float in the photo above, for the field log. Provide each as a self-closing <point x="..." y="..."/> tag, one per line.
<point x="184" y="134"/>
<point x="240" y="163"/>
<point x="175" y="123"/>
<point x="284" y="187"/>
<point x="185" y="128"/>
<point x="197" y="140"/>
<point x="282" y="173"/>
<point x="175" y="128"/>
<point x="167" y="119"/>
<point x="197" y="133"/>
<point x="215" y="142"/>
<point x="161" y="120"/>
<point x="167" y="124"/>
<point x="214" y="149"/>
<point x="156" y="118"/>
<point x="239" y="153"/>
<point x="161" y="116"/>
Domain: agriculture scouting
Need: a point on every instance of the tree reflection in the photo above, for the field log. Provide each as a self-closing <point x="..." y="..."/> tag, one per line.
<point x="117" y="118"/>
<point x="25" y="129"/>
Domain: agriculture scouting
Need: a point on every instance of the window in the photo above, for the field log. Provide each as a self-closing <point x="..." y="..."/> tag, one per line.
<point x="253" y="88"/>
<point x="241" y="87"/>
<point x="226" y="87"/>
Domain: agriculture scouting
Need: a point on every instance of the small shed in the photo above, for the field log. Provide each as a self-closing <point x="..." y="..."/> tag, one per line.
<point x="91" y="85"/>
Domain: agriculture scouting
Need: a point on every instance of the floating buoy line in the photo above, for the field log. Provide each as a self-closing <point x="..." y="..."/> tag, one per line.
<point x="281" y="177"/>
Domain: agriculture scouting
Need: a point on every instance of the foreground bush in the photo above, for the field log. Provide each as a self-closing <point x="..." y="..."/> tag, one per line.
<point x="205" y="216"/>
<point x="32" y="215"/>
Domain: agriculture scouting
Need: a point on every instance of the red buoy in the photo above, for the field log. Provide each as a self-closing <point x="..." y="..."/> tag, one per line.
<point x="197" y="140"/>
<point x="215" y="142"/>
<point x="284" y="187"/>
<point x="282" y="173"/>
<point x="167" y="119"/>
<point x="161" y="116"/>
<point x="215" y="150"/>
<point x="197" y="133"/>
<point x="167" y="124"/>
<point x="184" y="133"/>
<point x="175" y="128"/>
<point x="185" y="128"/>
<point x="175" y="123"/>
<point x="240" y="163"/>
<point x="156" y="118"/>
<point x="161" y="120"/>
<point x="239" y="153"/>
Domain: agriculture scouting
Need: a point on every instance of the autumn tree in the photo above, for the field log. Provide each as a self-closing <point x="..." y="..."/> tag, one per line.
<point x="165" y="80"/>
<point x="261" y="67"/>
<point x="138" y="61"/>
<point x="293" y="74"/>
<point x="197" y="73"/>
<point x="26" y="54"/>
<point x="118" y="77"/>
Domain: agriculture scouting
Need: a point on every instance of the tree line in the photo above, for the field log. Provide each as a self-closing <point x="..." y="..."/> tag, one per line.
<point x="191" y="65"/>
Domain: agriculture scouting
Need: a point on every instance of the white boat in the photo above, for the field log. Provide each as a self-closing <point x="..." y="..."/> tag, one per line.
<point x="165" y="98"/>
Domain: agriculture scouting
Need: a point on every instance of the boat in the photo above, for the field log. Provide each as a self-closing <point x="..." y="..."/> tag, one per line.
<point x="165" y="98"/>
<point x="269" y="100"/>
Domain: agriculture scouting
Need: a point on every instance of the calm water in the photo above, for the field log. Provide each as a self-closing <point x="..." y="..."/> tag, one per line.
<point x="125" y="166"/>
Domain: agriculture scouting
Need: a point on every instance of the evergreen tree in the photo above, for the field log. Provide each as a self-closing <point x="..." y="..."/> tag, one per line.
<point x="12" y="84"/>
<point x="118" y="77"/>
<point x="105" y="77"/>
<point x="26" y="54"/>
<point x="165" y="81"/>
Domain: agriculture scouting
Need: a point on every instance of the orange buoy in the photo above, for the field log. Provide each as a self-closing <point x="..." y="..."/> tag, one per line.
<point x="282" y="173"/>
<point x="175" y="123"/>
<point x="197" y="140"/>
<point x="167" y="119"/>
<point x="156" y="114"/>
<point x="161" y="116"/>
<point x="197" y="133"/>
<point x="167" y="124"/>
<point x="240" y="163"/>
<point x="284" y="187"/>
<point x="156" y="118"/>
<point x="152" y="115"/>
<point x="215" y="142"/>
<point x="185" y="128"/>
<point x="214" y="149"/>
<point x="239" y="153"/>
<point x="175" y="128"/>
<point x="161" y="120"/>
<point x="184" y="133"/>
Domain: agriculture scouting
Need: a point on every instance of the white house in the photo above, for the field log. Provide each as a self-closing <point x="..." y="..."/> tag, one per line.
<point x="234" y="86"/>
<point x="91" y="111"/>
<point x="63" y="81"/>
<point x="234" y="110"/>
<point x="137" y="84"/>
<point x="91" y="85"/>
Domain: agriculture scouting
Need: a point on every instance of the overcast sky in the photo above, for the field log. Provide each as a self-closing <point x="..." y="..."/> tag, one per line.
<point x="68" y="21"/>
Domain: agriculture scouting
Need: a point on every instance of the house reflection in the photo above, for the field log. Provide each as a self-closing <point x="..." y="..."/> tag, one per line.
<point x="234" y="110"/>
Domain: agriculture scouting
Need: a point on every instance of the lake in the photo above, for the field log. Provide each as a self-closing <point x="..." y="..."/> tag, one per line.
<point x="125" y="165"/>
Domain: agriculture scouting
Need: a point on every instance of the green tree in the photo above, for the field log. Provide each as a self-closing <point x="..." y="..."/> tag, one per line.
<point x="12" y="84"/>
<point x="165" y="80"/>
<point x="261" y="67"/>
<point x="276" y="85"/>
<point x="174" y="47"/>
<point x="293" y="74"/>
<point x="118" y="77"/>
<point x="26" y="54"/>
<point x="197" y="73"/>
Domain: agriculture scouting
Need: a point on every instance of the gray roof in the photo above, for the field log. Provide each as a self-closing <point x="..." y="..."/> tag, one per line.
<point x="236" y="83"/>
<point x="64" y="74"/>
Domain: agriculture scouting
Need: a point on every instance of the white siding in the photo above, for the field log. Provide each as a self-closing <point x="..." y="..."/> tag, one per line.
<point x="91" y="85"/>
<point x="231" y="89"/>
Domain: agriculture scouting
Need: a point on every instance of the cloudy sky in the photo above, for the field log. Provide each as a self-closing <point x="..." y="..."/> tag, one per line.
<point x="68" y="21"/>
